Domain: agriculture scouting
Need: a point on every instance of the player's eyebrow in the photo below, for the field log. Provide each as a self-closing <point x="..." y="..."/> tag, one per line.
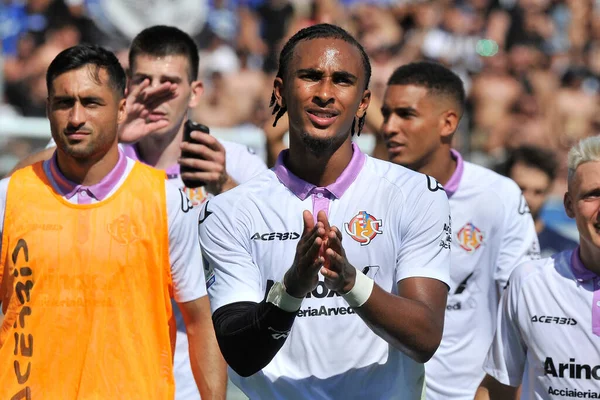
<point x="399" y="110"/>
<point x="140" y="76"/>
<point x="591" y="192"/>
<point x="336" y="75"/>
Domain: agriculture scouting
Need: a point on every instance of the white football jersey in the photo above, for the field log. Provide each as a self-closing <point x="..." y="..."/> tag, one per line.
<point x="395" y="225"/>
<point x="492" y="232"/>
<point x="548" y="336"/>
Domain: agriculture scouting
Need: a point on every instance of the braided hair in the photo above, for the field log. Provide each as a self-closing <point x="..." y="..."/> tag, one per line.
<point x="318" y="31"/>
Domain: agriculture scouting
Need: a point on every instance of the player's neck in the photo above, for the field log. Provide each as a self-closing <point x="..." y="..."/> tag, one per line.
<point x="161" y="152"/>
<point x="590" y="257"/>
<point x="90" y="171"/>
<point x="320" y="171"/>
<point x="539" y="225"/>
<point x="441" y="166"/>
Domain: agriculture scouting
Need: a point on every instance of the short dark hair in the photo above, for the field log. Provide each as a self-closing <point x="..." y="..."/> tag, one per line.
<point x="318" y="31"/>
<point x="84" y="54"/>
<point x="433" y="76"/>
<point x="162" y="40"/>
<point x="534" y="157"/>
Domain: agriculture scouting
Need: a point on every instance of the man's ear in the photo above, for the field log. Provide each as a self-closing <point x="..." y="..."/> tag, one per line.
<point x="364" y="104"/>
<point x="449" y="123"/>
<point x="569" y="206"/>
<point x="122" y="111"/>
<point x="197" y="90"/>
<point x="278" y="92"/>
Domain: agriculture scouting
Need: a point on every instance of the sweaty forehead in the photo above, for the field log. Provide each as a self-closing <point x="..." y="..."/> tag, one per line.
<point x="327" y="53"/>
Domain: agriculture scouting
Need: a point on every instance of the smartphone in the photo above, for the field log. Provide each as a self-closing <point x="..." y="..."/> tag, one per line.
<point x="187" y="137"/>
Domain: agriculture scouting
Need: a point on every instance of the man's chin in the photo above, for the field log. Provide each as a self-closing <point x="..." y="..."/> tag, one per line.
<point x="319" y="146"/>
<point x="79" y="154"/>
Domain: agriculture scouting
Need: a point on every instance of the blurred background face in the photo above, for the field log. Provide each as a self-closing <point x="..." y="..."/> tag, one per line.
<point x="158" y="70"/>
<point x="534" y="184"/>
<point x="411" y="125"/>
<point x="84" y="113"/>
<point x="582" y="202"/>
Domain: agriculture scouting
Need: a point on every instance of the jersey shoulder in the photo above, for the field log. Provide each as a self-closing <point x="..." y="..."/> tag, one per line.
<point x="537" y="273"/>
<point x="486" y="178"/>
<point x="263" y="185"/>
<point x="479" y="181"/>
<point x="400" y="178"/>
<point x="237" y="149"/>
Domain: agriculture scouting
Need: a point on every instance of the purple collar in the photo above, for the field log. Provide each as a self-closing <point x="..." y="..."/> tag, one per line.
<point x="452" y="185"/>
<point x="303" y="189"/>
<point x="580" y="272"/>
<point x="99" y="191"/>
<point x="131" y="151"/>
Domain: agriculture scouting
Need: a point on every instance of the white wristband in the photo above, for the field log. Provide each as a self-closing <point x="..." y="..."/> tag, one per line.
<point x="282" y="299"/>
<point x="360" y="293"/>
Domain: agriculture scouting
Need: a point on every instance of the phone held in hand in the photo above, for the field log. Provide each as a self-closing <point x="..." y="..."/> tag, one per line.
<point x="187" y="137"/>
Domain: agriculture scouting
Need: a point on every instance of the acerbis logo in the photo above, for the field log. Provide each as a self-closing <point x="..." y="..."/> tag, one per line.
<point x="275" y="236"/>
<point x="571" y="370"/>
<point x="547" y="319"/>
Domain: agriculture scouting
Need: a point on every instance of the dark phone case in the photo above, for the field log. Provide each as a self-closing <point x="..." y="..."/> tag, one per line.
<point x="187" y="137"/>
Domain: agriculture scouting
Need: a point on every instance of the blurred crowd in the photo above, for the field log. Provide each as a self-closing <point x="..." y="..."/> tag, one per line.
<point x="531" y="67"/>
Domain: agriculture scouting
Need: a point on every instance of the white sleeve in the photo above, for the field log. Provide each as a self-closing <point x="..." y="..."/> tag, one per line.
<point x="519" y="241"/>
<point x="231" y="273"/>
<point x="184" y="250"/>
<point x="425" y="234"/>
<point x="242" y="162"/>
<point x="507" y="355"/>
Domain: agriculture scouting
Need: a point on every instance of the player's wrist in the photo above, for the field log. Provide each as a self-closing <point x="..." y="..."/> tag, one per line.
<point x="349" y="282"/>
<point x="360" y="292"/>
<point x="291" y="288"/>
<point x="279" y="296"/>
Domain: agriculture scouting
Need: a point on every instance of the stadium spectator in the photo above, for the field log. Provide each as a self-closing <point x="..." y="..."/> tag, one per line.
<point x="534" y="170"/>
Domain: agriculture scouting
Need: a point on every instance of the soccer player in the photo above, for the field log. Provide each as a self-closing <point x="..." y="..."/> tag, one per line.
<point x="548" y="337"/>
<point x="163" y="87"/>
<point x="86" y="278"/>
<point x="492" y="229"/>
<point x="327" y="274"/>
<point x="534" y="170"/>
